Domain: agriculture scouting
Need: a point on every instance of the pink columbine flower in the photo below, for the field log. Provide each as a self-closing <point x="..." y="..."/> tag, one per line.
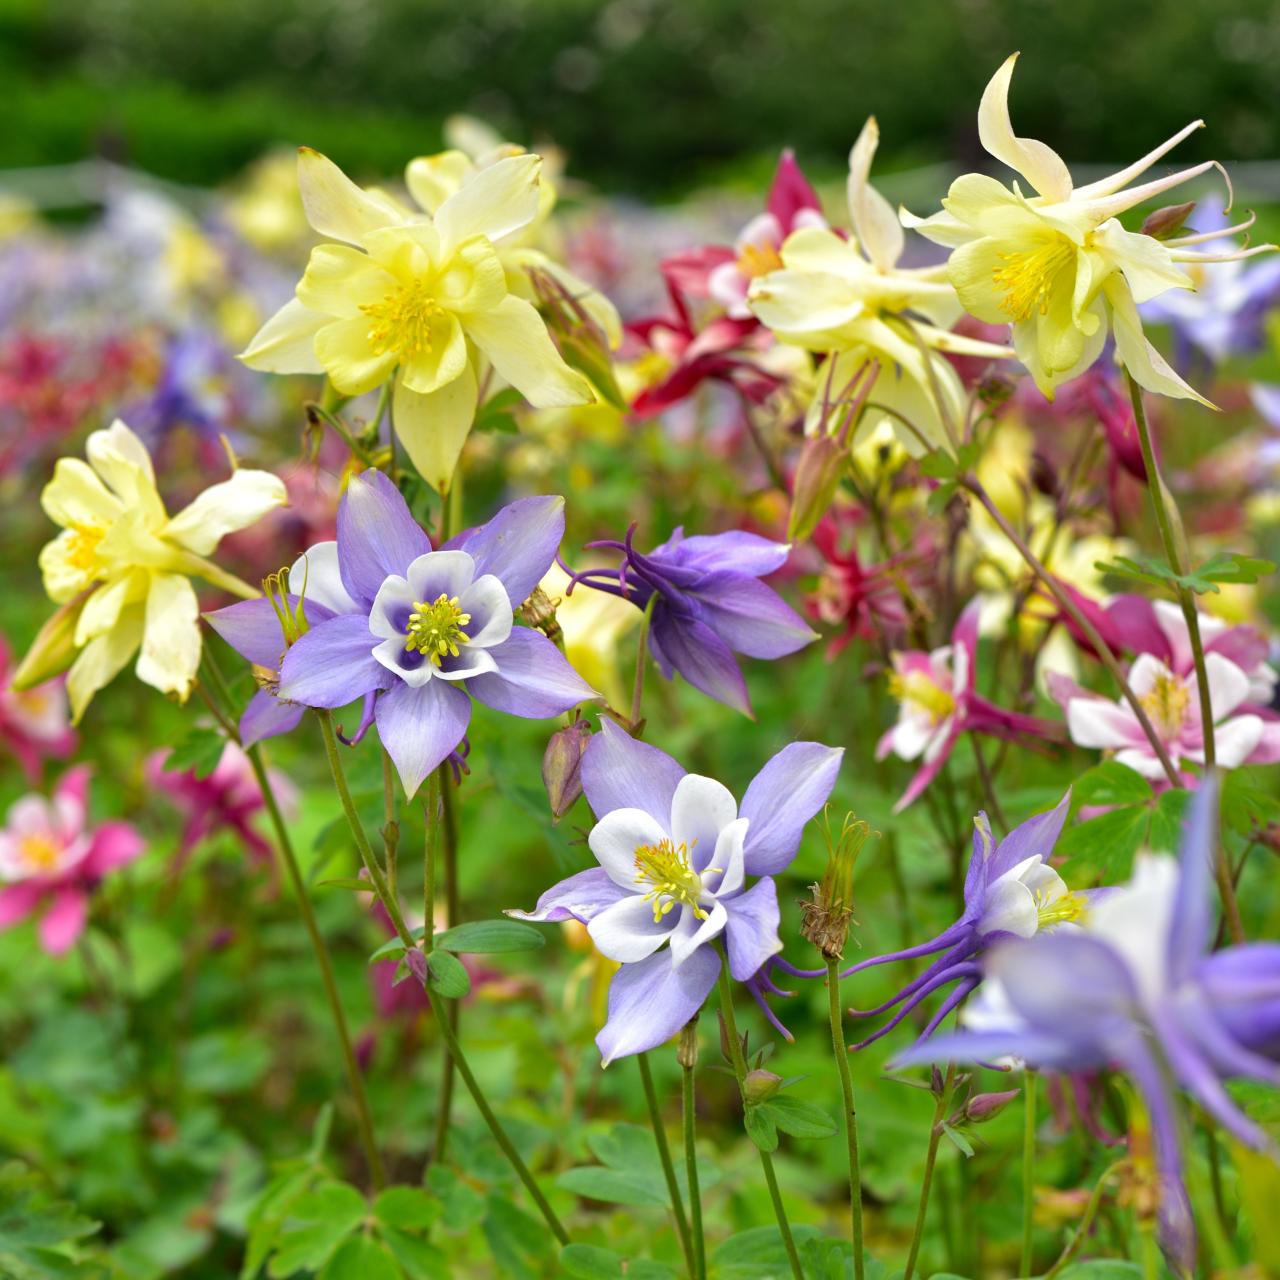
<point x="1241" y="684"/>
<point x="938" y="701"/>
<point x="34" y="724"/>
<point x="51" y="860"/>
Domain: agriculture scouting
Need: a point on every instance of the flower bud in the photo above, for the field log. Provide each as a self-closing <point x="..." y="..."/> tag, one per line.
<point x="53" y="650"/>
<point x="759" y="1086"/>
<point x="821" y="468"/>
<point x="582" y="342"/>
<point x="1167" y="222"/>
<point x="562" y="766"/>
<point x="985" y="1106"/>
<point x="687" y="1048"/>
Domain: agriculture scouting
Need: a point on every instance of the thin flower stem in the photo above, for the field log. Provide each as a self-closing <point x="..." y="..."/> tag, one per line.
<point x="449" y="825"/>
<point x="850" y="1111"/>
<point x="1088" y="630"/>
<point x="664" y="1155"/>
<point x="430" y="856"/>
<point x="988" y="785"/>
<point x="341" y="429"/>
<point x="437" y="1005"/>
<point x="766" y="1161"/>
<point x="1173" y="549"/>
<point x="642" y="658"/>
<point x="1029" y="1083"/>
<point x="1086" y="1222"/>
<point x="691" y="1170"/>
<point x="391" y="828"/>
<point x="935" y="1136"/>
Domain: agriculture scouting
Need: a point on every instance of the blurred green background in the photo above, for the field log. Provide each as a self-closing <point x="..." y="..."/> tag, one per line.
<point x="650" y="97"/>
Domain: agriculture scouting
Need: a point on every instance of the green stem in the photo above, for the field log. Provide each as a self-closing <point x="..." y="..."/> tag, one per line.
<point x="437" y="1005"/>
<point x="766" y="1161"/>
<point x="1151" y="1269"/>
<point x="1086" y="1222"/>
<point x="841" y="1052"/>
<point x="391" y="828"/>
<point x="343" y="431"/>
<point x="642" y="656"/>
<point x="691" y="1167"/>
<point x="449" y="823"/>
<point x="1161" y="501"/>
<point x="664" y="1155"/>
<point x="1028" y="1167"/>
<point x="935" y="1136"/>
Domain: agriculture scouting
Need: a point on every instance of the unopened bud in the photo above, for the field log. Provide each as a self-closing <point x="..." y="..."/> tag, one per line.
<point x="687" y="1048"/>
<point x="995" y="389"/>
<point x="539" y="611"/>
<point x="53" y="650"/>
<point x="562" y="766"/>
<point x="985" y="1106"/>
<point x="582" y="342"/>
<point x="759" y="1086"/>
<point x="822" y="466"/>
<point x="1162" y="224"/>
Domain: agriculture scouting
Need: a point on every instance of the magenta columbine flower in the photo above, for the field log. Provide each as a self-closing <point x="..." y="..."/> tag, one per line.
<point x="708" y="604"/>
<point x="414" y="632"/>
<point x="675" y="854"/>
<point x="35" y="723"/>
<point x="51" y="860"/>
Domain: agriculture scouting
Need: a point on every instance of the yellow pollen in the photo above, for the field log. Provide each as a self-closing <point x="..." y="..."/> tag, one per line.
<point x="401" y="322"/>
<point x="758" y="260"/>
<point x="916" y="687"/>
<point x="39" y="853"/>
<point x="83" y="551"/>
<point x="673" y="882"/>
<point x="435" y="629"/>
<point x="1064" y="910"/>
<point x="1166" y="703"/>
<point x="1027" y="280"/>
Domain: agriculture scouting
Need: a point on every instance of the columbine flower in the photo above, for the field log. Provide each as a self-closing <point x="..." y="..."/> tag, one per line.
<point x="708" y="604"/>
<point x="33" y="722"/>
<point x="725" y="274"/>
<point x="675" y="852"/>
<point x="127" y="564"/>
<point x="421" y="632"/>
<point x="423" y="299"/>
<point x="848" y="298"/>
<point x="51" y="860"/>
<point x="1241" y="685"/>
<point x="1137" y="988"/>
<point x="1058" y="266"/>
<point x="938" y="701"/>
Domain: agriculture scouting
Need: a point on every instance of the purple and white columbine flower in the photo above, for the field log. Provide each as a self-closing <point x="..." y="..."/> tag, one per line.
<point x="1137" y="987"/>
<point x="708" y="604"/>
<point x="675" y="853"/>
<point x="418" y="633"/>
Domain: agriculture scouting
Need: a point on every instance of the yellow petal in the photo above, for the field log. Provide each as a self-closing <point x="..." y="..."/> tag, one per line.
<point x="493" y="202"/>
<point x="122" y="460"/>
<point x="287" y="342"/>
<point x="171" y="641"/>
<point x="974" y="270"/>
<point x="874" y="220"/>
<point x="473" y="279"/>
<point x="1146" y="263"/>
<point x="339" y="281"/>
<point x="819" y="249"/>
<point x="516" y="341"/>
<point x="102" y="659"/>
<point x="428" y="370"/>
<point x="1038" y="163"/>
<point x="349" y="359"/>
<point x="64" y="569"/>
<point x="223" y="508"/>
<point x="103" y="607"/>
<point x="335" y="206"/>
<point x="804" y="305"/>
<point x="1148" y="367"/>
<point x="433" y="179"/>
<point x="433" y="428"/>
<point x="76" y="496"/>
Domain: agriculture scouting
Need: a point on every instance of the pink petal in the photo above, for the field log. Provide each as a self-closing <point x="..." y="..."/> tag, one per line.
<point x="64" y="921"/>
<point x="114" y="844"/>
<point x="17" y="901"/>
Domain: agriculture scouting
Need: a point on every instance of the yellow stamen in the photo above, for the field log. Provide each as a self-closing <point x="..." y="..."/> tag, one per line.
<point x="1028" y="278"/>
<point x="1062" y="910"/>
<point x="39" y="853"/>
<point x="401" y="322"/>
<point x="435" y="629"/>
<point x="917" y="688"/>
<point x="758" y="260"/>
<point x="665" y="867"/>
<point x="83" y="550"/>
<point x="1166" y="703"/>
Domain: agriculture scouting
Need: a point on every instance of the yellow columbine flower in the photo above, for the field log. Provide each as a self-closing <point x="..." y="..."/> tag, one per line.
<point x="1058" y="266"/>
<point x="126" y="564"/>
<point x="848" y="298"/>
<point x="423" y="298"/>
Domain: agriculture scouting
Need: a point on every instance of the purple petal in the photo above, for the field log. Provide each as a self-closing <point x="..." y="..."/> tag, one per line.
<point x="580" y="897"/>
<point x="1040" y="1048"/>
<point x="650" y="1001"/>
<point x="533" y="679"/>
<point x="377" y="536"/>
<point x="782" y="797"/>
<point x="746" y="553"/>
<point x="252" y="629"/>
<point x="1036" y="835"/>
<point x="1191" y="924"/>
<point x="620" y="773"/>
<point x="1242" y="986"/>
<point x="267" y="717"/>
<point x="751" y="933"/>
<point x="420" y="727"/>
<point x="967" y="974"/>
<point x="333" y="664"/>
<point x="697" y="653"/>
<point x="948" y="937"/>
<point x="518" y="545"/>
<point x="752" y="618"/>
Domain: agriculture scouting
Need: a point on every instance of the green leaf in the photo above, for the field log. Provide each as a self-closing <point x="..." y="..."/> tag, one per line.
<point x="353" y="883"/>
<point x="30" y="1215"/>
<point x="760" y="1127"/>
<point x="497" y="413"/>
<point x="588" y="1262"/>
<point x="361" y="1258"/>
<point x="1105" y="845"/>
<point x="317" y="1223"/>
<point x="519" y="1242"/>
<point x="418" y="1259"/>
<point x="629" y="1171"/>
<point x="958" y="1140"/>
<point x="1248" y="804"/>
<point x="268" y="1213"/>
<point x="388" y="951"/>
<point x="1228" y="566"/>
<point x="1167" y="818"/>
<point x="1100" y="1269"/>
<point x="759" y="1254"/>
<point x="1110" y="783"/>
<point x="463" y="1206"/>
<point x="199" y="750"/>
<point x="407" y="1208"/>
<point x="798" y="1118"/>
<point x="477" y="936"/>
<point x="448" y="976"/>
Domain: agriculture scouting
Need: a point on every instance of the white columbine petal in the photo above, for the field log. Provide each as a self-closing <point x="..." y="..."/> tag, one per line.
<point x="615" y="839"/>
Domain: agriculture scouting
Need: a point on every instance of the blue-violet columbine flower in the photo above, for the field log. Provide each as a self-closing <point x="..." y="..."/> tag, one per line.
<point x="415" y="632"/>
<point x="675" y="854"/>
<point x="708" y="604"/>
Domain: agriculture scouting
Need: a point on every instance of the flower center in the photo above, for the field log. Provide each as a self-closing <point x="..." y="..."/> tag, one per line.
<point x="39" y="853"/>
<point x="665" y="868"/>
<point x="401" y="322"/>
<point x="918" y="689"/>
<point x="83" y="550"/>
<point x="435" y="629"/>
<point x="758" y="260"/>
<point x="1061" y="910"/>
<point x="1027" y="278"/>
<point x="1166" y="703"/>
